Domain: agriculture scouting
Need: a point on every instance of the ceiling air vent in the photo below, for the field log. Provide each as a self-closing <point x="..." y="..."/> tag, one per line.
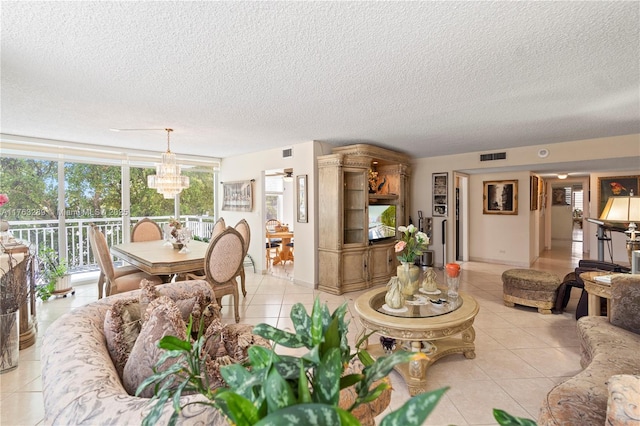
<point x="287" y="152"/>
<point x="493" y="156"/>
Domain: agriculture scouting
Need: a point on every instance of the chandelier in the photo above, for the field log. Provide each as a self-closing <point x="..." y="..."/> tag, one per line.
<point x="168" y="181"/>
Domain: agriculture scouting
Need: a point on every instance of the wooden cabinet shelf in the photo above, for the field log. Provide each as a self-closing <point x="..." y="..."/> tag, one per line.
<point x="347" y="260"/>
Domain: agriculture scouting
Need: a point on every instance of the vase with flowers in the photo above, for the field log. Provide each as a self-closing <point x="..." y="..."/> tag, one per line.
<point x="408" y="248"/>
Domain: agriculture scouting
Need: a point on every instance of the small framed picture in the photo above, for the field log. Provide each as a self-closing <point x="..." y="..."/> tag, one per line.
<point x="500" y="197"/>
<point x="301" y="198"/>
<point x="440" y="194"/>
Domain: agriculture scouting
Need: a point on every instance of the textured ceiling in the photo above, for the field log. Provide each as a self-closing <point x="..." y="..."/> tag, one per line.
<point x="428" y="78"/>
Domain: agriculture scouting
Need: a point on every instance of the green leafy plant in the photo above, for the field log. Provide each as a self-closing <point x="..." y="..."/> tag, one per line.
<point x="52" y="267"/>
<point x="272" y="389"/>
<point x="45" y="291"/>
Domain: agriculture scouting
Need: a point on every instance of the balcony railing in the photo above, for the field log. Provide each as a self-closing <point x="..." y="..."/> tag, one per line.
<point x="78" y="253"/>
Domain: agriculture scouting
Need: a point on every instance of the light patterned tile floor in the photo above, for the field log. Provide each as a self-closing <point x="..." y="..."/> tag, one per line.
<point x="521" y="354"/>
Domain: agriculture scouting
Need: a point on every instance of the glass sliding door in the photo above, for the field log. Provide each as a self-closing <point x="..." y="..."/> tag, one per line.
<point x="197" y="202"/>
<point x="93" y="194"/>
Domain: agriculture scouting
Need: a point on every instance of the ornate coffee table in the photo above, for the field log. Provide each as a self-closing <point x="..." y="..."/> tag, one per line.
<point x="435" y="329"/>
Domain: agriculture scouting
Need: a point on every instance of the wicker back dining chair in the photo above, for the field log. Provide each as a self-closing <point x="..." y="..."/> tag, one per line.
<point x="114" y="280"/>
<point x="146" y="230"/>
<point x="243" y="228"/>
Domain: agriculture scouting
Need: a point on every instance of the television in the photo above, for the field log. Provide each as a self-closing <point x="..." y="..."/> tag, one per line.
<point x="382" y="222"/>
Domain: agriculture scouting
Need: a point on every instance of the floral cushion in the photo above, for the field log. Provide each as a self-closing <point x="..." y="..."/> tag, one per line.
<point x="625" y="310"/>
<point x="121" y="329"/>
<point x="227" y="344"/>
<point x="623" y="406"/>
<point x="162" y="318"/>
<point x="190" y="303"/>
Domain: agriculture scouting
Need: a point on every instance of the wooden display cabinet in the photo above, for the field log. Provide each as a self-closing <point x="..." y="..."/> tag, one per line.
<point x="348" y="261"/>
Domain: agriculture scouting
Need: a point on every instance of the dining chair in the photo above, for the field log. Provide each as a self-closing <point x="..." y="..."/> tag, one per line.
<point x="243" y="228"/>
<point x="218" y="227"/>
<point x="272" y="244"/>
<point x="222" y="263"/>
<point x="146" y="230"/>
<point x="115" y="280"/>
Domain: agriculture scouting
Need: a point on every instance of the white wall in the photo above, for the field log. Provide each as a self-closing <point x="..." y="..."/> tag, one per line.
<point x="527" y="225"/>
<point x="252" y="166"/>
<point x="505" y="239"/>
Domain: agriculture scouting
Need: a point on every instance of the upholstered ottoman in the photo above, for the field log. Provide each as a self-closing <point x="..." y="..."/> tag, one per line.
<point x="529" y="287"/>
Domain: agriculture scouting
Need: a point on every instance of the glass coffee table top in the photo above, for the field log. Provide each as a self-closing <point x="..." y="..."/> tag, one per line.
<point x="420" y="306"/>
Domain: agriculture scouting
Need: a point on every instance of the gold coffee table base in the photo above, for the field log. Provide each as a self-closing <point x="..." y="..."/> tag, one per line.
<point x="437" y="336"/>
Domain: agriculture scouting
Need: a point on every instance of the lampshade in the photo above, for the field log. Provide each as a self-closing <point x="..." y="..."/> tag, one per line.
<point x="627" y="210"/>
<point x="622" y="209"/>
<point x="168" y="181"/>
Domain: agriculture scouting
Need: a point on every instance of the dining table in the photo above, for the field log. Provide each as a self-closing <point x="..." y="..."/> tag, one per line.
<point x="155" y="258"/>
<point x="285" y="249"/>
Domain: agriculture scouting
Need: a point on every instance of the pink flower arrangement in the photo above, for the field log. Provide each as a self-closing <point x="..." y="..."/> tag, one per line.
<point x="411" y="244"/>
<point x="3" y="199"/>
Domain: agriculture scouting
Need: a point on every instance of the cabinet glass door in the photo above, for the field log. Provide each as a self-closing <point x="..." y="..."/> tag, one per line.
<point x="355" y="193"/>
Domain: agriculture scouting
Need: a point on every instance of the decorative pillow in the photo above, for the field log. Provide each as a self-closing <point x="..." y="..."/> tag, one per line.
<point x="121" y="328"/>
<point x="622" y="406"/>
<point x="189" y="303"/>
<point x="227" y="344"/>
<point x="162" y="318"/>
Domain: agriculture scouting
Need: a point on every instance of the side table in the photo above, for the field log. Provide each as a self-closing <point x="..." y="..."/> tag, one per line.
<point x="596" y="291"/>
<point x="420" y="329"/>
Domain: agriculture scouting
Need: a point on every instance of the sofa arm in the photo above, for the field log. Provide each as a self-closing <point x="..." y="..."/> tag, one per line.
<point x="623" y="405"/>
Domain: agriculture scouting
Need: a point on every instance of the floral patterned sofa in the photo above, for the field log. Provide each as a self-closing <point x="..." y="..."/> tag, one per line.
<point x="85" y="381"/>
<point x="607" y="391"/>
<point x="81" y="384"/>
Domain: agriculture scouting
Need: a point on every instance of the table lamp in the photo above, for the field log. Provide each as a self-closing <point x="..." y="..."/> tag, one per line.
<point x="625" y="210"/>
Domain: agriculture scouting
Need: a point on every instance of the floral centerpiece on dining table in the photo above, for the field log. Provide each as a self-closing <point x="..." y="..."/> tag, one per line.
<point x="409" y="247"/>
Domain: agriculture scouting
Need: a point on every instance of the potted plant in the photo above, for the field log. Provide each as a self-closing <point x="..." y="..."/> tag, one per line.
<point x="54" y="273"/>
<point x="272" y="389"/>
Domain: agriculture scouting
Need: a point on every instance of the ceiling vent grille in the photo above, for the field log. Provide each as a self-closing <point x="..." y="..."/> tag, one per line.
<point x="287" y="152"/>
<point x="493" y="156"/>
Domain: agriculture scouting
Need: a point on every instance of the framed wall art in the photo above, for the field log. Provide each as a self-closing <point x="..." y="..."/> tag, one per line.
<point x="440" y="194"/>
<point x="534" y="191"/>
<point x="559" y="197"/>
<point x="301" y="198"/>
<point x="500" y="197"/>
<point x="237" y="196"/>
<point x="618" y="186"/>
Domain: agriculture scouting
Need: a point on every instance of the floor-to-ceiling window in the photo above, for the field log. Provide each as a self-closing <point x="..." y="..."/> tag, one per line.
<point x="32" y="189"/>
<point x="53" y="201"/>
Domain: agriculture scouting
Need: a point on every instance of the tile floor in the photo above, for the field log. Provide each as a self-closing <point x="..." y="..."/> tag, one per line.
<point x="521" y="354"/>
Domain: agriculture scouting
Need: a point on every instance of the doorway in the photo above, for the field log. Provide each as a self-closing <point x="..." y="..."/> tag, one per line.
<point x="567" y="206"/>
<point x="279" y="204"/>
<point x="461" y="218"/>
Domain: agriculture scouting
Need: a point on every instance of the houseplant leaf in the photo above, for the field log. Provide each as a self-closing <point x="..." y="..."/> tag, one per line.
<point x="301" y="320"/>
<point x="281" y="337"/>
<point x="505" y="419"/>
<point x="310" y="415"/>
<point x="278" y="392"/>
<point x="237" y="408"/>
<point x="414" y="411"/>
<point x="327" y="378"/>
